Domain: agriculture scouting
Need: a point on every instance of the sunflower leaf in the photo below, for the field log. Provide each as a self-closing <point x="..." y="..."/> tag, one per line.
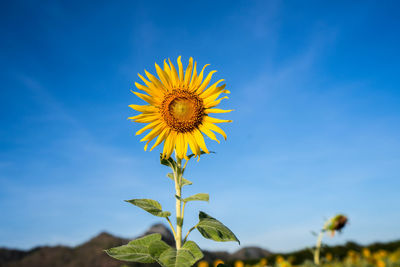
<point x="198" y="197"/>
<point x="184" y="181"/>
<point x="157" y="248"/>
<point x="213" y="229"/>
<point x="136" y="250"/>
<point x="151" y="206"/>
<point x="167" y="256"/>
<point x="170" y="162"/>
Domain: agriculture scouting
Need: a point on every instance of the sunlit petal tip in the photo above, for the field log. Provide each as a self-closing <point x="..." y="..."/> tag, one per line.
<point x="145" y="146"/>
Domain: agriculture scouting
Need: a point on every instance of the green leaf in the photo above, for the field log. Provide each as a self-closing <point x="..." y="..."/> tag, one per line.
<point x="184" y="181"/>
<point x="198" y="197"/>
<point x="211" y="228"/>
<point x="170" y="175"/>
<point x="186" y="256"/>
<point x="170" y="162"/>
<point x="151" y="206"/>
<point x="136" y="251"/>
<point x="157" y="248"/>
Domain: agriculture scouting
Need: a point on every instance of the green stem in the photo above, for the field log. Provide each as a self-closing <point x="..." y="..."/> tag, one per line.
<point x="191" y="229"/>
<point x="318" y="247"/>
<point x="183" y="209"/>
<point x="319" y="242"/>
<point x="172" y="227"/>
<point x="179" y="217"/>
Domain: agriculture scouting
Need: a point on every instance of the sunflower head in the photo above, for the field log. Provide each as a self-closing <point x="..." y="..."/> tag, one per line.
<point x="178" y="107"/>
<point x="337" y="223"/>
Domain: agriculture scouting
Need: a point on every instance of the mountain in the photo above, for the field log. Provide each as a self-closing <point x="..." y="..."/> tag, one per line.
<point x="88" y="254"/>
<point x="250" y="253"/>
<point x="91" y="254"/>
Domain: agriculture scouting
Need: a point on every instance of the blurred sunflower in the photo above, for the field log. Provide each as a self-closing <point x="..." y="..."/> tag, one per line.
<point x="337" y="223"/>
<point x="179" y="104"/>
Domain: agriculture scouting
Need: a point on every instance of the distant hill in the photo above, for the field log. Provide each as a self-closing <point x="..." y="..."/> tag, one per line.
<point x="249" y="253"/>
<point x="91" y="254"/>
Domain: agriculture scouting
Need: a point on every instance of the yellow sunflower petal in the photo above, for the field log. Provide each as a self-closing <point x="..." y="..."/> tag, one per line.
<point x="206" y="82"/>
<point x="154" y="80"/>
<point x="212" y="89"/>
<point x="148" y="126"/>
<point x="179" y="146"/>
<point x="167" y="68"/>
<point x="214" y="103"/>
<point x="152" y="134"/>
<point x="151" y="100"/>
<point x="180" y="69"/>
<point x="171" y="145"/>
<point x="143" y="88"/>
<point x="152" y="89"/>
<point x="212" y="98"/>
<point x="145" y="146"/>
<point x="215" y="128"/>
<point x="207" y="132"/>
<point x="188" y="72"/>
<point x="215" y="120"/>
<point x="163" y="76"/>
<point x="194" y="76"/>
<point x="174" y="74"/>
<point x="143" y="115"/>
<point x="200" y="140"/>
<point x="216" y="110"/>
<point x="147" y="118"/>
<point x="193" y="144"/>
<point x="199" y="79"/>
<point x="166" y="146"/>
<point x="160" y="138"/>
<point x="185" y="142"/>
<point x="144" y="109"/>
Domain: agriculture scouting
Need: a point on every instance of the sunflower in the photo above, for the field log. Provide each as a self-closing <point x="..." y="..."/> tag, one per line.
<point x="178" y="109"/>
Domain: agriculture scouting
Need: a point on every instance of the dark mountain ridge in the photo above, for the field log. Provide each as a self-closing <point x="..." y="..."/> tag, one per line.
<point x="91" y="253"/>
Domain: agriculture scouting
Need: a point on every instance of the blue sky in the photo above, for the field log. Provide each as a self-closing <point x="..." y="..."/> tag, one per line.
<point x="315" y="88"/>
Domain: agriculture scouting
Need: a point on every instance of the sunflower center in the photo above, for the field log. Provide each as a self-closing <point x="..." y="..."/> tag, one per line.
<point x="182" y="108"/>
<point x="183" y="111"/>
